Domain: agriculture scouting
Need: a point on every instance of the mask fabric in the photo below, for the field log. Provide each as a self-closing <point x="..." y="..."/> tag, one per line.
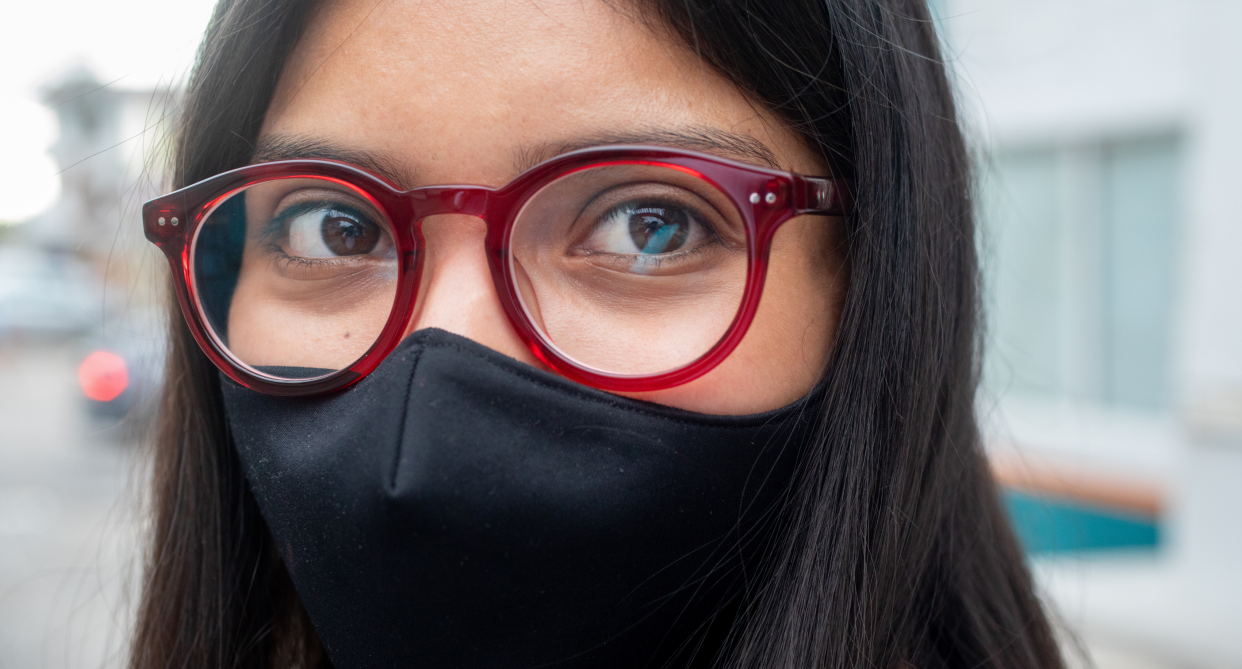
<point x="457" y="508"/>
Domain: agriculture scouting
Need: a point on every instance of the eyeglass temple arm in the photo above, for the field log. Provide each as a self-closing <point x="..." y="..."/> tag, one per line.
<point x="826" y="197"/>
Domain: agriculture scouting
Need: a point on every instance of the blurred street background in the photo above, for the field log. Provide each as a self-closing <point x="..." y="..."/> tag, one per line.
<point x="1106" y="134"/>
<point x="80" y="356"/>
<point x="86" y="94"/>
<point x="1107" y="138"/>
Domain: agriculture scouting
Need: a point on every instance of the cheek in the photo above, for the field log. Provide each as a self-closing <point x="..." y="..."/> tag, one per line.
<point x="786" y="348"/>
<point x="276" y="322"/>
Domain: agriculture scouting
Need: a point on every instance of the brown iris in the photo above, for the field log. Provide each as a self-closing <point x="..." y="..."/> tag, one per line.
<point x="346" y="236"/>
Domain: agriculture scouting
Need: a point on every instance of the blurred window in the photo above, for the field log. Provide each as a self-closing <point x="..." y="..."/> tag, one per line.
<point x="1079" y="247"/>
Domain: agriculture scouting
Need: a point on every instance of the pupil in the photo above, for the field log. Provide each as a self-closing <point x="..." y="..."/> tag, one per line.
<point x="658" y="229"/>
<point x="345" y="236"/>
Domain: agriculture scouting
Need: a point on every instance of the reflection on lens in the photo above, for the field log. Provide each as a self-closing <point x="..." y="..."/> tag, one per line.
<point x="295" y="277"/>
<point x="630" y="269"/>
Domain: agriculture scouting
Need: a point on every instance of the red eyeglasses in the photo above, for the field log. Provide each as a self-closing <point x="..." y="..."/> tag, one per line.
<point x="626" y="268"/>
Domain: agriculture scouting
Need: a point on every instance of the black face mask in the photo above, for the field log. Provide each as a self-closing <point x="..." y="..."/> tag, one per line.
<point x="457" y="508"/>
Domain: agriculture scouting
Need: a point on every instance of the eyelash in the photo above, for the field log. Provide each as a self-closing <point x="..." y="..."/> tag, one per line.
<point x="276" y="230"/>
<point x="692" y="212"/>
<point x="289" y="260"/>
<point x="657" y="261"/>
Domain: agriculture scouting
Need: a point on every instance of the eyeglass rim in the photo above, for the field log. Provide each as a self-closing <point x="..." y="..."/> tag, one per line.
<point x="765" y="197"/>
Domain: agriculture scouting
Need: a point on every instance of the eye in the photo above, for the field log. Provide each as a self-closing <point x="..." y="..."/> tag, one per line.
<point x="330" y="232"/>
<point x="646" y="228"/>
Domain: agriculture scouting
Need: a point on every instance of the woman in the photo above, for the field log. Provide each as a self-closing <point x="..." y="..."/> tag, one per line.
<point x="646" y="396"/>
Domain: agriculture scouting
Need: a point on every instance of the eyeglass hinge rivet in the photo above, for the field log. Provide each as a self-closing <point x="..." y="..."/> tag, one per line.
<point x="770" y="199"/>
<point x="175" y="221"/>
<point x="754" y="199"/>
<point x="161" y="221"/>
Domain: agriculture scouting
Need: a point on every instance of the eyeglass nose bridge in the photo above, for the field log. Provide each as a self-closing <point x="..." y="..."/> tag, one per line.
<point x="436" y="200"/>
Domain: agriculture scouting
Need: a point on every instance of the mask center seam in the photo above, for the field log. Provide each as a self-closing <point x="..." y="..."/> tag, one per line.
<point x="400" y="450"/>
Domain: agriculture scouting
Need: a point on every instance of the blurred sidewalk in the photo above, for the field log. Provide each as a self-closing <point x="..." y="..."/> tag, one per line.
<point x="67" y="530"/>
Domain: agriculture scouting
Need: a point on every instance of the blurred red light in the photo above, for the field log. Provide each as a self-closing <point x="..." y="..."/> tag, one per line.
<point x="103" y="376"/>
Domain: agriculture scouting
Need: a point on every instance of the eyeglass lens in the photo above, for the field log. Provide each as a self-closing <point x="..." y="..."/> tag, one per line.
<point x="625" y="269"/>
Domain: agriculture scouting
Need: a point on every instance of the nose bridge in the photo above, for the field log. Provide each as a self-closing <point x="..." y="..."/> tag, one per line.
<point x="435" y="200"/>
<point x="458" y="289"/>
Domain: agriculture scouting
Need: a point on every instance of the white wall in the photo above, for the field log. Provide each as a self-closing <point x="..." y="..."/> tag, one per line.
<point x="1065" y="72"/>
<point x="1068" y="74"/>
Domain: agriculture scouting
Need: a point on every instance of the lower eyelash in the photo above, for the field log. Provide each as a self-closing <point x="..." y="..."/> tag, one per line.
<point x="653" y="261"/>
<point x="282" y="257"/>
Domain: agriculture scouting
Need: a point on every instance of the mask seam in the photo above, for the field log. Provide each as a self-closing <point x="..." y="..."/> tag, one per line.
<point x="791" y="411"/>
<point x="397" y="457"/>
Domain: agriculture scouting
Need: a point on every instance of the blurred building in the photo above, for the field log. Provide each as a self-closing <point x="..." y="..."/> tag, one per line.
<point x="1108" y="138"/>
<point x="77" y="281"/>
<point x="84" y="261"/>
<point x="110" y="154"/>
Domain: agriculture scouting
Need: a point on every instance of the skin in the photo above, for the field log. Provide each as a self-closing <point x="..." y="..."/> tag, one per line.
<point x="463" y="91"/>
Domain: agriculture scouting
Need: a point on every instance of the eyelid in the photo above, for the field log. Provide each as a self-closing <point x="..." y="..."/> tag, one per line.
<point x="697" y="206"/>
<point x="275" y="225"/>
<point x="639" y="205"/>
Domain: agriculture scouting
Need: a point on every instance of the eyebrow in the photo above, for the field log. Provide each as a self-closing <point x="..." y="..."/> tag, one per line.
<point x="696" y="138"/>
<point x="303" y="147"/>
<point x="706" y="139"/>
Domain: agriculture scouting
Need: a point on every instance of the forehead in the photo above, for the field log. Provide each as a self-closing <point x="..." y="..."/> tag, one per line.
<point x="467" y="90"/>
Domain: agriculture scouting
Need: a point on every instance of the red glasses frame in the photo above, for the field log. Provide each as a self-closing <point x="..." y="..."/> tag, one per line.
<point x="765" y="198"/>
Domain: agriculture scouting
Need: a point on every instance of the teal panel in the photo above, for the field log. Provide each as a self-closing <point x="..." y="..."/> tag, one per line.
<point x="1049" y="525"/>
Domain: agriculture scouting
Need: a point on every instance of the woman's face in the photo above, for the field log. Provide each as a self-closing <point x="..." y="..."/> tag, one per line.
<point x="474" y="92"/>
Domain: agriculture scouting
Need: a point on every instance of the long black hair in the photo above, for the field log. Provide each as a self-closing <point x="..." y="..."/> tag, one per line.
<point x="892" y="548"/>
